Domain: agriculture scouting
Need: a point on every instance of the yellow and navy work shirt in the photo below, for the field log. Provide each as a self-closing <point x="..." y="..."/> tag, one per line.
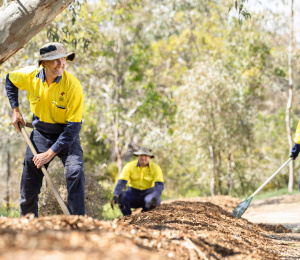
<point x="141" y="178"/>
<point x="57" y="109"/>
<point x="297" y="134"/>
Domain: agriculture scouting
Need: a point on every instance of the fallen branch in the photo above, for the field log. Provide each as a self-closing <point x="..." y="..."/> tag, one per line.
<point x="190" y="245"/>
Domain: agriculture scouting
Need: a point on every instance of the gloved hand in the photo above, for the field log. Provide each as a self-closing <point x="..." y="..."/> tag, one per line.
<point x="295" y="151"/>
<point x="115" y="200"/>
<point x="151" y="204"/>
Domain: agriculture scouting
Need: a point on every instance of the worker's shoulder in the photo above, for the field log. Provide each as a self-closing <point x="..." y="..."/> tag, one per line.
<point x="71" y="79"/>
<point x="27" y="71"/>
<point x="153" y="165"/>
<point x="131" y="164"/>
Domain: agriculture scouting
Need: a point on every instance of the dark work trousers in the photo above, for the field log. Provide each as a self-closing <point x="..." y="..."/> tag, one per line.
<point x="134" y="198"/>
<point x="31" y="182"/>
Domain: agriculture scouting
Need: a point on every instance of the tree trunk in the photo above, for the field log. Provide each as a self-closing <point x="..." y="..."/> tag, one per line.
<point x="213" y="179"/>
<point x="21" y="20"/>
<point x="290" y="98"/>
<point x="8" y="174"/>
<point x="219" y="171"/>
<point x="229" y="172"/>
<point x="117" y="149"/>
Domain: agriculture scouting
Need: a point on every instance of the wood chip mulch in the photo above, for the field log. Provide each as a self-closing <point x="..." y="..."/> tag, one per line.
<point x="181" y="229"/>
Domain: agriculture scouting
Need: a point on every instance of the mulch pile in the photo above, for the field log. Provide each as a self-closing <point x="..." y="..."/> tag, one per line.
<point x="200" y="228"/>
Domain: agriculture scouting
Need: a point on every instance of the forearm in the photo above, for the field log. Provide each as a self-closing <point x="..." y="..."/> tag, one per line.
<point x="158" y="189"/>
<point x="119" y="187"/>
<point x="67" y="137"/>
<point x="16" y="118"/>
<point x="43" y="158"/>
<point x="12" y="93"/>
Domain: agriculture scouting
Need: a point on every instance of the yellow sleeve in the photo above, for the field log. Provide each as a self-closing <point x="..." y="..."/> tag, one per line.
<point x="21" y="77"/>
<point x="75" y="104"/>
<point x="125" y="174"/>
<point x="158" y="176"/>
<point x="297" y="134"/>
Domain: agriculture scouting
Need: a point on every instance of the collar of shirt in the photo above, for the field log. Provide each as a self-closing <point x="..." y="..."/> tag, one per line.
<point x="138" y="164"/>
<point x="41" y="75"/>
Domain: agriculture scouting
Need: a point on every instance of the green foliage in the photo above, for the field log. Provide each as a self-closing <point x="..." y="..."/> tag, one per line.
<point x="180" y="77"/>
<point x="109" y="213"/>
<point x="243" y="13"/>
<point x="274" y="193"/>
<point x="13" y="212"/>
<point x="113" y="172"/>
<point x="74" y="36"/>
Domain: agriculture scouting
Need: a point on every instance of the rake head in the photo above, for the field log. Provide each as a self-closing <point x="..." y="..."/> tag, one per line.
<point x="241" y="208"/>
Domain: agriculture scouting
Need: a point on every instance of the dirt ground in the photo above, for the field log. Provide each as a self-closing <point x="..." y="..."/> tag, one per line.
<point x="283" y="210"/>
<point x="198" y="228"/>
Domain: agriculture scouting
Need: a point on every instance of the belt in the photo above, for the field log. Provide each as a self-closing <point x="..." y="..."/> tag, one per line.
<point x="48" y="135"/>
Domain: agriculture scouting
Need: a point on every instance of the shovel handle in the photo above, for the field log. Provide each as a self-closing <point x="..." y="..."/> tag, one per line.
<point x="51" y="184"/>
<point x="274" y="174"/>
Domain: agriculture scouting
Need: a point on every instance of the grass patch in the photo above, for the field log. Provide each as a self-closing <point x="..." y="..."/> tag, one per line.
<point x="109" y="213"/>
<point x="274" y="193"/>
<point x="12" y="212"/>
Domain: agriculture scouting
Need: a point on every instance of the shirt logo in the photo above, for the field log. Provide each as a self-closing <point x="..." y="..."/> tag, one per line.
<point x="62" y="93"/>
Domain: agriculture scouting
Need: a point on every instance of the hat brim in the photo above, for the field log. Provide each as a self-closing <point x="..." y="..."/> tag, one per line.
<point x="141" y="153"/>
<point x="70" y="56"/>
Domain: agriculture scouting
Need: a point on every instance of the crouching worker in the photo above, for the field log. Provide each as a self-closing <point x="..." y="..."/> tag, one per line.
<point x="145" y="184"/>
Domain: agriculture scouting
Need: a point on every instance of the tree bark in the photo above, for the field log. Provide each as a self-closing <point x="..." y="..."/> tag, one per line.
<point x="8" y="174"/>
<point x="21" y="20"/>
<point x="117" y="149"/>
<point x="213" y="179"/>
<point x="229" y="173"/>
<point x="290" y="98"/>
<point x="219" y="171"/>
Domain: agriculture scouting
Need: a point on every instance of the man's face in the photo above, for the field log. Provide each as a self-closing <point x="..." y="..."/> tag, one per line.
<point x="55" y="67"/>
<point x="143" y="160"/>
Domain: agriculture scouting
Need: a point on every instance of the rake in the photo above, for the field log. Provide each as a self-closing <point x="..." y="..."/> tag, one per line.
<point x="243" y="206"/>
<point x="46" y="174"/>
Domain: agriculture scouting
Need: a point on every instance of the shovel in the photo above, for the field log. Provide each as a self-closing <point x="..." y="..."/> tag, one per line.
<point x="52" y="187"/>
<point x="243" y="206"/>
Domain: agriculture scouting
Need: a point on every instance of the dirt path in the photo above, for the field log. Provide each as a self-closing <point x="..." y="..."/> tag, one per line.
<point x="283" y="210"/>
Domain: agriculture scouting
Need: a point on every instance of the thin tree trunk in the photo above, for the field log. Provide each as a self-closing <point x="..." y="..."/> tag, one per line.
<point x="117" y="149"/>
<point x="229" y="172"/>
<point x="290" y="98"/>
<point x="8" y="174"/>
<point x="219" y="170"/>
<point x="212" y="186"/>
<point x="213" y="179"/>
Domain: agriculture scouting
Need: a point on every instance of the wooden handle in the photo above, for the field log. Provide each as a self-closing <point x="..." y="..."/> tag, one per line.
<point x="51" y="184"/>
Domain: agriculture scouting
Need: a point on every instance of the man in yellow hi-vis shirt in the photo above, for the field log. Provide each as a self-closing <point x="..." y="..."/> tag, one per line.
<point x="56" y="101"/>
<point x="145" y="184"/>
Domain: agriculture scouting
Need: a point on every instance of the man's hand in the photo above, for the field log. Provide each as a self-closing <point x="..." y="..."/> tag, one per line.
<point x="16" y="118"/>
<point x="295" y="151"/>
<point x="43" y="158"/>
<point x="115" y="200"/>
<point x="151" y="204"/>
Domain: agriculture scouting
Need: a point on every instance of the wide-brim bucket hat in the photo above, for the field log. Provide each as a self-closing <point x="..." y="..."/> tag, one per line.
<point x="53" y="51"/>
<point x="144" y="151"/>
